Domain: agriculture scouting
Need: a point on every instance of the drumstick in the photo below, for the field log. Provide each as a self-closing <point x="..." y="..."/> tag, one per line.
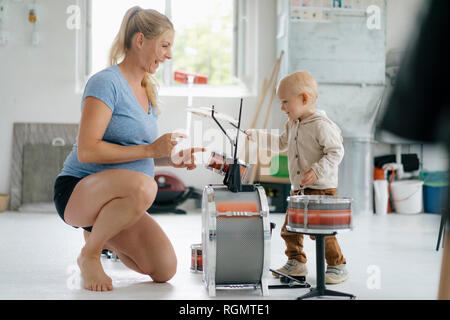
<point x="240" y="129"/>
<point x="260" y="102"/>
<point x="266" y="86"/>
<point x="272" y="95"/>
<point x="262" y="96"/>
<point x="273" y="80"/>
<point x="274" y="89"/>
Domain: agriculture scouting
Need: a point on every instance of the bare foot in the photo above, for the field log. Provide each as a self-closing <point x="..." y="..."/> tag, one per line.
<point x="94" y="278"/>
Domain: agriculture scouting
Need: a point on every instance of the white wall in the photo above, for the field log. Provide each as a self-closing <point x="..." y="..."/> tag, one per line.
<point x="36" y="83"/>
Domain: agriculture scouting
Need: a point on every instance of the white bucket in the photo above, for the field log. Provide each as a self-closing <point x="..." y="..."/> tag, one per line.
<point x="407" y="196"/>
<point x="381" y="196"/>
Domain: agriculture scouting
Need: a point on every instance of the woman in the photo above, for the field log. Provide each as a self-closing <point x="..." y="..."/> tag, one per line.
<point x="107" y="182"/>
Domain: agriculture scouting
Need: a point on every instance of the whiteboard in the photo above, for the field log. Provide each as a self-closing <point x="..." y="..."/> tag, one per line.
<point x="340" y="50"/>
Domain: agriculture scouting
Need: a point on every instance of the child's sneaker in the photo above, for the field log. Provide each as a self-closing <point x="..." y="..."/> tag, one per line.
<point x="293" y="268"/>
<point x="336" y="274"/>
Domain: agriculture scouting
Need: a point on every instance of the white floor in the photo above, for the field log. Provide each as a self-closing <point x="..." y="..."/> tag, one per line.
<point x="388" y="257"/>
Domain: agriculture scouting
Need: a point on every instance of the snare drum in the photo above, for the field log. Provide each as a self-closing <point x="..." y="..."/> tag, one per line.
<point x="216" y="163"/>
<point x="236" y="239"/>
<point x="318" y="214"/>
<point x="220" y="164"/>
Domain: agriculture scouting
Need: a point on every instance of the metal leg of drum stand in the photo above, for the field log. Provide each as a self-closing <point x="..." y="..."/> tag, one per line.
<point x="320" y="289"/>
<point x="212" y="289"/>
<point x="264" y="288"/>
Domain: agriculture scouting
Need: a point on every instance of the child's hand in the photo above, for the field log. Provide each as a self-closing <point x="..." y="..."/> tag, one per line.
<point x="309" y="177"/>
<point x="251" y="134"/>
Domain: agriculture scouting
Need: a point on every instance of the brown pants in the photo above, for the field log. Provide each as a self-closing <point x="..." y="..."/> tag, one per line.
<point x="294" y="241"/>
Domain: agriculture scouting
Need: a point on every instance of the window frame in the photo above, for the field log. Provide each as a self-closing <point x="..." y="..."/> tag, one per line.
<point x="244" y="63"/>
<point x="83" y="46"/>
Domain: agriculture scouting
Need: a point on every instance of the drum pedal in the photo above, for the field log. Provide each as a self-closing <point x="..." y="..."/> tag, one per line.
<point x="284" y="279"/>
<point x="108" y="254"/>
<point x="291" y="282"/>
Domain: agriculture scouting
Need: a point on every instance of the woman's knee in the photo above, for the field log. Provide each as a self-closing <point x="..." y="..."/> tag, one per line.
<point x="144" y="192"/>
<point x="164" y="272"/>
<point x="162" y="267"/>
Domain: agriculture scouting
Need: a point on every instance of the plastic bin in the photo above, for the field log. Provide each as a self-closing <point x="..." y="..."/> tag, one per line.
<point x="407" y="196"/>
<point x="435" y="190"/>
<point x="381" y="196"/>
<point x="434" y="199"/>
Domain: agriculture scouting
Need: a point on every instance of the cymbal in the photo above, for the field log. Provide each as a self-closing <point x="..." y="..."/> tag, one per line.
<point x="206" y="112"/>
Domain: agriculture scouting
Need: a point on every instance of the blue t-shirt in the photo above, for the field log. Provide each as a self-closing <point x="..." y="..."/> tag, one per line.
<point x="129" y="124"/>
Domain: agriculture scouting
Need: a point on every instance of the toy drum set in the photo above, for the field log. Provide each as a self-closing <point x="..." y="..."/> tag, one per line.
<point x="318" y="214"/>
<point x="236" y="229"/>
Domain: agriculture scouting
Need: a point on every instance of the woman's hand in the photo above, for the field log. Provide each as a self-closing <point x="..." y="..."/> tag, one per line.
<point x="185" y="158"/>
<point x="163" y="146"/>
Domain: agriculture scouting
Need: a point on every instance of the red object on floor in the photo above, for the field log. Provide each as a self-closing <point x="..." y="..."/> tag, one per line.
<point x="182" y="77"/>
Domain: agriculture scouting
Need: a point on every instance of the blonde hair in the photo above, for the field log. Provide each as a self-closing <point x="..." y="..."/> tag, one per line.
<point x="299" y="82"/>
<point x="152" y="24"/>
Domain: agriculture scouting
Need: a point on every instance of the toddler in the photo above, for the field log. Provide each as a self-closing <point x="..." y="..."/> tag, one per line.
<point x="315" y="149"/>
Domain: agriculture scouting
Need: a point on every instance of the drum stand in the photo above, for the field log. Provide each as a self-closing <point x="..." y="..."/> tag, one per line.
<point x="320" y="289"/>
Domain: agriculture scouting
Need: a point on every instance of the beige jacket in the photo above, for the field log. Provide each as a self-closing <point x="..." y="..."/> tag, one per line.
<point x="316" y="143"/>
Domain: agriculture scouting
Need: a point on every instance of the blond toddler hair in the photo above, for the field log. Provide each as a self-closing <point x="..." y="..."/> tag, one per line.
<point x="297" y="83"/>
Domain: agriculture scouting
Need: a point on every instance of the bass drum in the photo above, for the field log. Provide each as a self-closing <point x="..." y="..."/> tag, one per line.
<point x="236" y="239"/>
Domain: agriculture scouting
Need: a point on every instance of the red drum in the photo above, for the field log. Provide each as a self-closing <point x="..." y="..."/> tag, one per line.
<point x="318" y="213"/>
<point x="216" y="162"/>
<point x="220" y="164"/>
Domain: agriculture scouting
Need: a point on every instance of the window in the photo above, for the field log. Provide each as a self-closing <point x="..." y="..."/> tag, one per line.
<point x="205" y="43"/>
